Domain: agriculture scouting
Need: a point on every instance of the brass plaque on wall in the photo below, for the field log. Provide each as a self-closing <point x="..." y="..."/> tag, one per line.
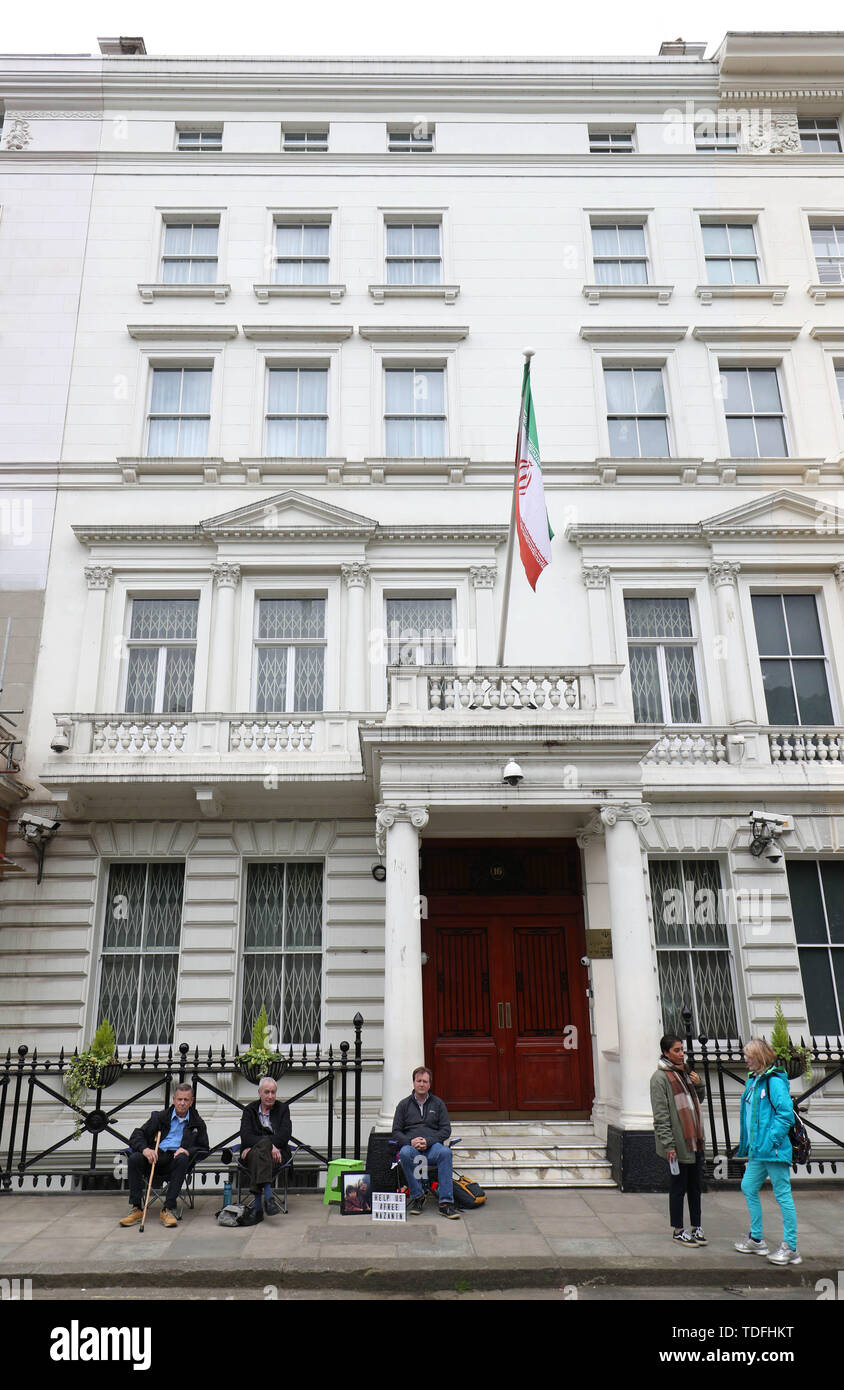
<point x="599" y="943"/>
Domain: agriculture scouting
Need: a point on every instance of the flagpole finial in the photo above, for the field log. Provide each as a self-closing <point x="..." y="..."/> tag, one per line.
<point x="529" y="353"/>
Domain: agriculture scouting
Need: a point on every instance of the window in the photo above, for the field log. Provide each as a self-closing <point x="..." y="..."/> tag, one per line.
<point x="190" y="253"/>
<point x="415" y="414"/>
<point x="791" y="654"/>
<point x="413" y="253"/>
<point x="419" y="140"/>
<point x="730" y="252"/>
<point x="619" y="254"/>
<point x="753" y="407"/>
<point x="140" y="960"/>
<point x="297" y="412"/>
<point x="282" y="950"/>
<point x="306" y="141"/>
<point x="839" y="377"/>
<point x="637" y="416"/>
<point x="817" y="906"/>
<point x="692" y="947"/>
<point x="162" y="654"/>
<point x="819" y="135"/>
<point x="420" y="631"/>
<point x="289" y="655"/>
<point x="179" y="413"/>
<point x="301" y="253"/>
<point x="661" y="651"/>
<point x="828" y="246"/>
<point x="716" y="139"/>
<point x="207" y="140"/>
<point x="610" y="141"/>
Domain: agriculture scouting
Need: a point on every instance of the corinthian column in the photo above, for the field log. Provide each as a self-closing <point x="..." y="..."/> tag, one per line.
<point x="92" y="658"/>
<point x="226" y="579"/>
<point x="634" y="969"/>
<point x="732" y="647"/>
<point x="483" y="579"/>
<point x="355" y="692"/>
<point x="397" y="835"/>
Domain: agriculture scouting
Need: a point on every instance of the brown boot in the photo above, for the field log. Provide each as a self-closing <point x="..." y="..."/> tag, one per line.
<point x="168" y="1218"/>
<point x="135" y="1215"/>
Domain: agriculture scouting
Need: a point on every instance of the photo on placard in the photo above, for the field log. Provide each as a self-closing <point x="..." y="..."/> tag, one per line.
<point x="357" y="1194"/>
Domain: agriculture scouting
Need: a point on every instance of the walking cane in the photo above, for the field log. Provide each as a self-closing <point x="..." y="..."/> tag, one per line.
<point x="149" y="1184"/>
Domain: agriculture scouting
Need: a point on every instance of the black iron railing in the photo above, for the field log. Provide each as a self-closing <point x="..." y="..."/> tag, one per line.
<point x="719" y="1063"/>
<point x="334" y="1077"/>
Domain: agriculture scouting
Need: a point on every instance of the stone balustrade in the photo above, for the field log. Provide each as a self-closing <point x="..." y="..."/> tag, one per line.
<point x="806" y="745"/>
<point x="688" y="748"/>
<point x="114" y="737"/>
<point x="505" y="690"/>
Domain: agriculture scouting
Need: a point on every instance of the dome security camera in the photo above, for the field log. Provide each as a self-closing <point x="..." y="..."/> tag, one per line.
<point x="60" y="741"/>
<point x="512" y="774"/>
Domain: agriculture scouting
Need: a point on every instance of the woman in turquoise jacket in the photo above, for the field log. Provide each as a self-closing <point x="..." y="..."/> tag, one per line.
<point x="767" y="1114"/>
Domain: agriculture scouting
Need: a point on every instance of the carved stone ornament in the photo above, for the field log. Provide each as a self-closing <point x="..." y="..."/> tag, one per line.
<point x="839" y="575"/>
<point x="595" y="576"/>
<point x="625" y="810"/>
<point x="99" y="576"/>
<point x="591" y="831"/>
<point x="483" y="576"/>
<point x="226" y="574"/>
<point x="773" y="132"/>
<point x="388" y="816"/>
<point x="724" y="572"/>
<point x="355" y="575"/>
<point x="18" y="134"/>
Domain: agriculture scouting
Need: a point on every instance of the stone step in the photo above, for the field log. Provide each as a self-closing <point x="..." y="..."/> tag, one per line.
<point x="561" y="1174"/>
<point x="540" y="1129"/>
<point x="521" y="1153"/>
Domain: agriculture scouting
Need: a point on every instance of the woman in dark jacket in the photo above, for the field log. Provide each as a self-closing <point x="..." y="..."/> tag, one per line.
<point x="678" y="1130"/>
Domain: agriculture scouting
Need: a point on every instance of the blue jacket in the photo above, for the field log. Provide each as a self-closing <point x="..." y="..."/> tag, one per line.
<point x="767" y="1114"/>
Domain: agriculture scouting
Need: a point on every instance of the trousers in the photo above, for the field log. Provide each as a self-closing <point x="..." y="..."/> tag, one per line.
<point x="755" y="1173"/>
<point x="168" y="1164"/>
<point x="415" y="1162"/>
<point x="259" y="1163"/>
<point x="686" y="1183"/>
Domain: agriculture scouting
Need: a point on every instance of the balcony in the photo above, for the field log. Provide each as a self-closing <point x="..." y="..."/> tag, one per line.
<point x="517" y="694"/>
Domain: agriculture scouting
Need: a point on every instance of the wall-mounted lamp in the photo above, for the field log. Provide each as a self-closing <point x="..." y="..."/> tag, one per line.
<point x="379" y="872"/>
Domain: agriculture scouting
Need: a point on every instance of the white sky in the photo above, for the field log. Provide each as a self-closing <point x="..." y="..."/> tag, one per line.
<point x="398" y="28"/>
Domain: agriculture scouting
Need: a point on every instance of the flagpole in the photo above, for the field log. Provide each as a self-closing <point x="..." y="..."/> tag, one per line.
<point x="508" y="570"/>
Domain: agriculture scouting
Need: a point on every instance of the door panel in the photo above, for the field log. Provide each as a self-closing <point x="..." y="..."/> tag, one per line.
<point x="464" y="1056"/>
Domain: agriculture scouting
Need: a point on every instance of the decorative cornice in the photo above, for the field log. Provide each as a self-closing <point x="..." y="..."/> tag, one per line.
<point x="746" y="333"/>
<point x="355" y="575"/>
<point x="448" y="293"/>
<point x="99" y="576"/>
<point x="483" y="576"/>
<point x="159" y="290"/>
<point x="182" y="332"/>
<point x="625" y="811"/>
<point x="706" y="293"/>
<point x="60" y="115"/>
<point x="595" y="576"/>
<point x="724" y="573"/>
<point x="835" y="336"/>
<point x="226" y="574"/>
<point x="388" y="816"/>
<point x="193" y="535"/>
<point x="839" y="575"/>
<point x="633" y="333"/>
<point x="593" y="830"/>
<point x="264" y="292"/>
<point x="297" y="332"/>
<point x="595" y="293"/>
<point x="412" y="333"/>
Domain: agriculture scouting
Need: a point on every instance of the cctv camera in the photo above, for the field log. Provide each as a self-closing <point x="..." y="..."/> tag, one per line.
<point x="38" y="824"/>
<point x="774" y="855"/>
<point x="60" y="741"/>
<point x="513" y="774"/>
<point x="778" y="824"/>
<point x="585" y="960"/>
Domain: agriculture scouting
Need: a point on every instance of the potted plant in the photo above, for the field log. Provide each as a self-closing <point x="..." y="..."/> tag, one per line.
<point x="92" y="1069"/>
<point x="260" y="1058"/>
<point x="794" y="1060"/>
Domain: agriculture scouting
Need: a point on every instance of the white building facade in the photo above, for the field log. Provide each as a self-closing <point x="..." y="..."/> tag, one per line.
<point x="283" y="482"/>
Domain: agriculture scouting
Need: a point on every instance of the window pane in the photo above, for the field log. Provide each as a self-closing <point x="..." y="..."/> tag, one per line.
<point x="291" y="619"/>
<point x="282" y="392"/>
<point x="196" y="392"/>
<point x="719" y="272"/>
<point x="428" y="272"/>
<point x="419" y="630"/>
<point x="631" y="241"/>
<point x="658" y="617"/>
<point x="832" y="876"/>
<point x="399" y="272"/>
<point x="707" y="924"/>
<point x="607" y="273"/>
<point x="605" y="241"/>
<point x="178" y="680"/>
<point x="302" y="1004"/>
<point x="157" y="1012"/>
<point x="812" y="693"/>
<point x="633" y="273"/>
<point x="764" y="389"/>
<point x="399" y="439"/>
<point x="736" y="391"/>
<point x="205" y="239"/>
<point x="288" y="240"/>
<point x="119" y="996"/>
<point x="653" y="438"/>
<point x="644" y="678"/>
<point x="715" y="240"/>
<point x="165" y="890"/>
<point x="315" y="239"/>
<point x="281" y="439"/>
<point x="141" y="681"/>
<point x="166" y="391"/>
<point x="825" y="241"/>
<point x="715" y="1012"/>
<point x="193" y="439"/>
<point x="819" y="992"/>
<point x="624" y="442"/>
<point x="303" y="929"/>
<point x="804" y="629"/>
<point x="399" y="241"/>
<point x="125" y="908"/>
<point x="262" y="976"/>
<point x="429" y="393"/>
<point x="779" y="697"/>
<point x="742" y="438"/>
<point x="399" y="392"/>
<point x="426" y="240"/>
<point x="311" y="442"/>
<point x="309" y="679"/>
<point x="743" y="240"/>
<point x="746" y="272"/>
<point x="430" y="439"/>
<point x="172" y="619"/>
<point x="176" y="240"/>
<point x="313" y="392"/>
<point x="271" y="683"/>
<point x="682" y="685"/>
<point x="768" y="619"/>
<point x="668" y="902"/>
<point x="806" y="903"/>
<point x="675" y="988"/>
<point x="649" y="392"/>
<point x="619" y="386"/>
<point x="771" y="436"/>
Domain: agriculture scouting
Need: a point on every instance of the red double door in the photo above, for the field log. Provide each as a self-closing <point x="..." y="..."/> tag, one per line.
<point x="506" y="1008"/>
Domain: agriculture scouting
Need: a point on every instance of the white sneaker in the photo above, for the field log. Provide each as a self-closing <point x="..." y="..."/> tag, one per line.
<point x="785" y="1256"/>
<point x="749" y="1246"/>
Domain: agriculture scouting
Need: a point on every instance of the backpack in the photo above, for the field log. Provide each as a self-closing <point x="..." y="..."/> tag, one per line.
<point x="231" y="1215"/>
<point x="801" y="1144"/>
<point x="467" y="1192"/>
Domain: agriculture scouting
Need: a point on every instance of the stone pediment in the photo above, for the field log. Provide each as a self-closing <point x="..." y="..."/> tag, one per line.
<point x="289" y="513"/>
<point x="786" y="514"/>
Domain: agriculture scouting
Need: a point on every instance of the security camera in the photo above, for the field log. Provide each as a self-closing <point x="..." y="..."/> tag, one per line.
<point x="33" y="827"/>
<point x="773" y="855"/>
<point x="779" y="824"/>
<point x="379" y="872"/>
<point x="60" y="741"/>
<point x="585" y="960"/>
<point x="513" y="774"/>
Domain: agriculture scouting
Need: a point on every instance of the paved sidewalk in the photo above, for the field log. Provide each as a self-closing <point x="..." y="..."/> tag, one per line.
<point x="538" y="1239"/>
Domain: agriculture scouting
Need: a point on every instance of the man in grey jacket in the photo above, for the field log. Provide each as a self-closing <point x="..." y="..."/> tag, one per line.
<point x="420" y="1128"/>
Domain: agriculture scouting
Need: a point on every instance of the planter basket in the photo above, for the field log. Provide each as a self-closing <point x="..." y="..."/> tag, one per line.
<point x="255" y="1073"/>
<point x="108" y="1074"/>
<point x="794" y="1066"/>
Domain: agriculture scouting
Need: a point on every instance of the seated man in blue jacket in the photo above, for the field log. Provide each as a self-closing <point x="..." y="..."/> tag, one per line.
<point x="183" y="1139"/>
<point x="420" y="1128"/>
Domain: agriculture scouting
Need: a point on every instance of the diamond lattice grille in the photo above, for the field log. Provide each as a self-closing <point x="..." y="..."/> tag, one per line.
<point x="689" y="913"/>
<point x="675" y="989"/>
<point x="158" y="998"/>
<point x="262" y="977"/>
<point x="141" y="940"/>
<point x="304" y="907"/>
<point x="310" y="662"/>
<point x="178" y="680"/>
<point x="125" y="909"/>
<point x="282" y="965"/>
<point x="265" y="907"/>
<point x="271" y="683"/>
<point x="420" y="631"/>
<point x="142" y="680"/>
<point x="715" y="1012"/>
<point x="644" y="678"/>
<point x="682" y="684"/>
<point x="302" y="999"/>
<point x="119" y="995"/>
<point x="666" y="892"/>
<point x="165" y="890"/>
<point x="658" y="618"/>
<point x="291" y="620"/>
<point x="163" y="620"/>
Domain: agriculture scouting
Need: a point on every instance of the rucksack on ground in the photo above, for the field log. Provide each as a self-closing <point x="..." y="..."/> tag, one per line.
<point x="467" y="1192"/>
<point x="232" y="1215"/>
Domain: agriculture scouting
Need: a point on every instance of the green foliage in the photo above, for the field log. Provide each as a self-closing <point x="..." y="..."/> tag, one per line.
<point x="83" y="1070"/>
<point x="260" y="1050"/>
<point x="787" y="1051"/>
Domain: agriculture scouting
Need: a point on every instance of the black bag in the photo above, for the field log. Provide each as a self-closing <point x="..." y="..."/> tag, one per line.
<point x="801" y="1144"/>
<point x="467" y="1192"/>
<point x="232" y="1215"/>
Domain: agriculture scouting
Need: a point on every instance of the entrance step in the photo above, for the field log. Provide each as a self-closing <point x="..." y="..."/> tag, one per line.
<point x="532" y="1153"/>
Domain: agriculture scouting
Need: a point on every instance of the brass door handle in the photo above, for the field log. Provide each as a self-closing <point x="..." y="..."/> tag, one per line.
<point x="501" y="1015"/>
<point x="508" y="1018"/>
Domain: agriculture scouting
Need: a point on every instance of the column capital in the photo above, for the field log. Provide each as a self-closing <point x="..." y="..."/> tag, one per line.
<point x="388" y="816"/>
<point x="595" y="576"/>
<point x="355" y="575"/>
<point x="839" y="575"/>
<point x="99" y="576"/>
<point x="591" y="831"/>
<point x="625" y="810"/>
<point x="483" y="576"/>
<point x="226" y="574"/>
<point x="723" y="572"/>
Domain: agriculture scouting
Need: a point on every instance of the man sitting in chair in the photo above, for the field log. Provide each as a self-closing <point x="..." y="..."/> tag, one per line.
<point x="420" y="1128"/>
<point x="265" y="1130"/>
<point x="183" y="1133"/>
